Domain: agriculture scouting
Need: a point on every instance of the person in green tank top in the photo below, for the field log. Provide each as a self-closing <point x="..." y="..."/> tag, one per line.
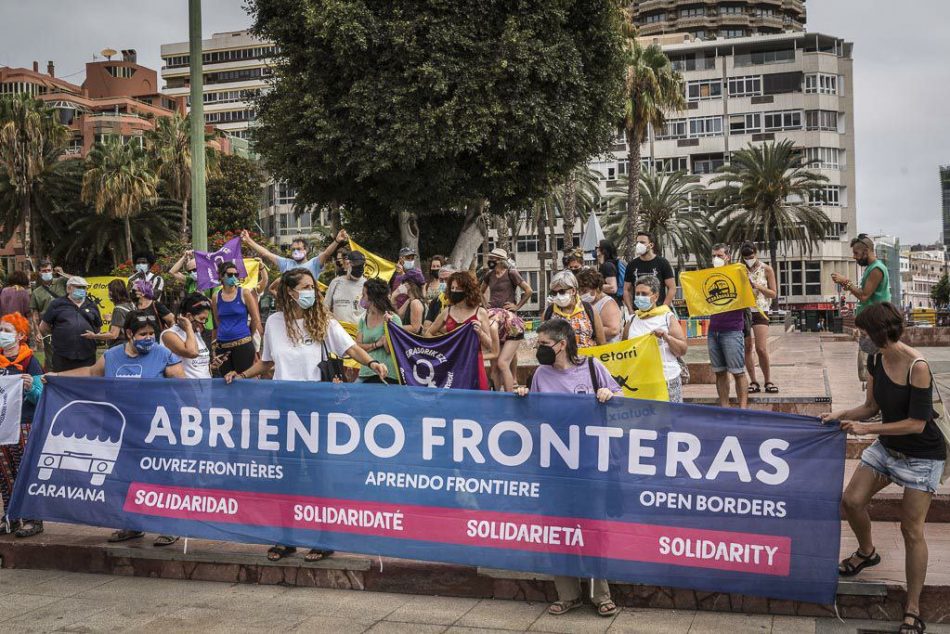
<point x="371" y="329"/>
<point x="874" y="288"/>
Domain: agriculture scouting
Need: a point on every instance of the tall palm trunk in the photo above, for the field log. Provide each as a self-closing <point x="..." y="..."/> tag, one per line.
<point x="570" y="209"/>
<point x="26" y="211"/>
<point x="543" y="254"/>
<point x="128" y="237"/>
<point x="184" y="218"/>
<point x="633" y="193"/>
<point x="773" y="257"/>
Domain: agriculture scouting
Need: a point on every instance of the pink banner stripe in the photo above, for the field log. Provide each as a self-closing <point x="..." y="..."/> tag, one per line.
<point x="647" y="543"/>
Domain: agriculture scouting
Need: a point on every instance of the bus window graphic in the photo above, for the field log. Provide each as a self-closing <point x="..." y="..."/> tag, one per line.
<point x="84" y="436"/>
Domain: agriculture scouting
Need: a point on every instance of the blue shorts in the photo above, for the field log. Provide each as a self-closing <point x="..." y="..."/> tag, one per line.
<point x="922" y="474"/>
<point x="726" y="351"/>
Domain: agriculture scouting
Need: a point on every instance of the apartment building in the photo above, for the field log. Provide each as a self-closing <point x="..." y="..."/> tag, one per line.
<point x="705" y="19"/>
<point x="236" y="68"/>
<point x="922" y="267"/>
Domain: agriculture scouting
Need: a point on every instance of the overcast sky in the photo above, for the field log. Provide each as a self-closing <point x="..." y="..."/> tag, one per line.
<point x="901" y="85"/>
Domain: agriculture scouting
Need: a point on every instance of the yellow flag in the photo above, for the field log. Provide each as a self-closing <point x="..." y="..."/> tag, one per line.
<point x="717" y="290"/>
<point x="253" y="268"/>
<point x="99" y="293"/>
<point x="636" y="366"/>
<point x="352" y="330"/>
<point x="375" y="265"/>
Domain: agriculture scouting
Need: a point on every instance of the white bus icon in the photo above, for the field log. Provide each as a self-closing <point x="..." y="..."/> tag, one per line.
<point x="84" y="436"/>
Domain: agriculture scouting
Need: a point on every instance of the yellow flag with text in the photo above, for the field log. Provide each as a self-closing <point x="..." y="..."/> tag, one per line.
<point x="99" y="293"/>
<point x="253" y="268"/>
<point x="717" y="290"/>
<point x="636" y="366"/>
<point x="375" y="265"/>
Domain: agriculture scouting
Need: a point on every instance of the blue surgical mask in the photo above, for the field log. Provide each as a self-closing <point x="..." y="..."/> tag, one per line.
<point x="408" y="265"/>
<point x="141" y="268"/>
<point x="231" y="280"/>
<point x="78" y="294"/>
<point x="642" y="302"/>
<point x="306" y="299"/>
<point x="46" y="277"/>
<point x="7" y="339"/>
<point x="144" y="346"/>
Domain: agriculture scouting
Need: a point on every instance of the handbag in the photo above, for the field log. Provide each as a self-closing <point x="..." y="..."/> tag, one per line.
<point x="331" y="368"/>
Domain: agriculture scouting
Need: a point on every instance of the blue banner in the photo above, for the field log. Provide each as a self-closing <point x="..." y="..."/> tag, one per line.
<point x="630" y="490"/>
<point x="448" y="361"/>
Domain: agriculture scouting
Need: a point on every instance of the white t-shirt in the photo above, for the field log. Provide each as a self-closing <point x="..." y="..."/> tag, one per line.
<point x="200" y="366"/>
<point x="640" y="327"/>
<point x="300" y="362"/>
<point x="343" y="298"/>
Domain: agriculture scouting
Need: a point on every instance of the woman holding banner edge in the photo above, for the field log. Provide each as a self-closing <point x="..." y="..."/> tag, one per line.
<point x="910" y="451"/>
<point x="371" y="330"/>
<point x="465" y="297"/>
<point x="298" y="337"/>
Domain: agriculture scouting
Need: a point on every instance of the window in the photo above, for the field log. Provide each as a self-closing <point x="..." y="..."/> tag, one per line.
<point x="285" y="194"/>
<point x="799" y="278"/>
<point x="821" y="120"/>
<point x="217" y="57"/>
<point x="698" y="202"/>
<point x="825" y="157"/>
<point x="828" y="196"/>
<point x="526" y="244"/>
<point x="756" y="58"/>
<point x="707" y="163"/>
<point x="745" y="123"/>
<point x="670" y="165"/>
<point x="673" y="129"/>
<point x="731" y="33"/>
<point x="699" y="34"/>
<point x="656" y="17"/>
<point x="784" y="120"/>
<point x="745" y="86"/>
<point x="837" y="229"/>
<point x="230" y="116"/>
<point x="120" y="72"/>
<point x="781" y="83"/>
<point x="821" y="83"/>
<point x="705" y="126"/>
<point x="704" y="89"/>
<point x="692" y="12"/>
<point x="765" y="13"/>
<point x="680" y="64"/>
<point x="246" y="74"/>
<point x="732" y="9"/>
<point x="559" y="243"/>
<point x="229" y="96"/>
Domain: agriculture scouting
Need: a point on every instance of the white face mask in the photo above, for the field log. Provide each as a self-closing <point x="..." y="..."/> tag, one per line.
<point x="588" y="297"/>
<point x="750" y="263"/>
<point x="640" y="249"/>
<point x="718" y="261"/>
<point x="564" y="299"/>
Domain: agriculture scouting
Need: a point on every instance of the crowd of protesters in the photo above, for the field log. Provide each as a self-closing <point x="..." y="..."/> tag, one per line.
<point x="224" y="332"/>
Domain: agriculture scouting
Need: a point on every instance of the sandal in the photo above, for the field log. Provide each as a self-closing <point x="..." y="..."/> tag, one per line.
<point x="607" y="608"/>
<point x="847" y="568"/>
<point x="754" y="387"/>
<point x="770" y="388"/>
<point x="917" y="627"/>
<point x="563" y="607"/>
<point x="164" y="540"/>
<point x="316" y="554"/>
<point x="29" y="528"/>
<point x="124" y="536"/>
<point x="278" y="552"/>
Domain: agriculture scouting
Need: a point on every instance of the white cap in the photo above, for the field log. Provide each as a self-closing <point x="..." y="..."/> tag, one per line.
<point x="75" y="280"/>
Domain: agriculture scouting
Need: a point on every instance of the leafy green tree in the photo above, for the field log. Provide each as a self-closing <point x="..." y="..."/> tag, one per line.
<point x="433" y="106"/>
<point x="940" y="293"/>
<point x="768" y="194"/>
<point x="234" y="195"/>
<point x="31" y="143"/>
<point x="651" y="89"/>
<point x="119" y="183"/>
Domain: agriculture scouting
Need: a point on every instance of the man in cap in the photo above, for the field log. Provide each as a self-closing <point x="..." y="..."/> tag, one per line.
<point x="344" y="293"/>
<point x="502" y="282"/>
<point x="874" y="288"/>
<point x="70" y="320"/>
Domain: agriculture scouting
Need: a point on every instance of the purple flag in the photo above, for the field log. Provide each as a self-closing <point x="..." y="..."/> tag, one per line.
<point x="207" y="263"/>
<point x="447" y="361"/>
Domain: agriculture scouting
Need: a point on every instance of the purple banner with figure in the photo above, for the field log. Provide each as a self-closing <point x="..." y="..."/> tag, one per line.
<point x="207" y="263"/>
<point x="448" y="361"/>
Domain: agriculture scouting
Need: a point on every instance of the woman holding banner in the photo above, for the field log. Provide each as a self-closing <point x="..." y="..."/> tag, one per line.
<point x="16" y="358"/>
<point x="371" y="330"/>
<point x="465" y="305"/>
<point x="298" y="339"/>
<point x="910" y="450"/>
<point x="562" y="370"/>
<point x="661" y="321"/>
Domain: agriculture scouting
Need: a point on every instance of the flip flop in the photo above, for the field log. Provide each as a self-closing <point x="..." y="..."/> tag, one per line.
<point x="164" y="540"/>
<point x="124" y="536"/>
<point x="29" y="528"/>
<point x="278" y="552"/>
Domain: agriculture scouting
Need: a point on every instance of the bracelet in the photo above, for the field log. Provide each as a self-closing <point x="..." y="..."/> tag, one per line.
<point x="242" y="375"/>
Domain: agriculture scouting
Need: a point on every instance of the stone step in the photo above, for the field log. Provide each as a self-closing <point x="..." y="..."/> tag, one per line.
<point x="877" y="594"/>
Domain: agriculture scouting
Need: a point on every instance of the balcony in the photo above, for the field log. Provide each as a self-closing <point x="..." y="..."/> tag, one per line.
<point x="694" y="21"/>
<point x="768" y="22"/>
<point x="653" y="5"/>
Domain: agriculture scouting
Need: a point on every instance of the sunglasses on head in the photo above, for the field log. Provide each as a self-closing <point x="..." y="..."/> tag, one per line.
<point x="145" y="319"/>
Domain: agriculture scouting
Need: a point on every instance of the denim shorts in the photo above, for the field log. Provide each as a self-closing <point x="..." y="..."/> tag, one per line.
<point x="922" y="474"/>
<point x="726" y="351"/>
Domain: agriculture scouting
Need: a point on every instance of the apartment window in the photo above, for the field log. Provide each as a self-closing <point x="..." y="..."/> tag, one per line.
<point x="656" y="17"/>
<point x="120" y="72"/>
<point x="217" y="57"/>
<point x="781" y="83"/>
<point x="731" y="33"/>
<point x="704" y="62"/>
<point x="732" y="9"/>
<point x="828" y="196"/>
<point x="784" y="120"/>
<point x="245" y="74"/>
<point x="747" y="86"/>
<point x="707" y="163"/>
<point x="692" y="12"/>
<point x="673" y="129"/>
<point x="800" y="278"/>
<point x="229" y="96"/>
<point x="745" y="123"/>
<point x="821" y="120"/>
<point x="704" y="89"/>
<point x="285" y="194"/>
<point x="756" y="58"/>
<point x="230" y="116"/>
<point x="698" y="203"/>
<point x="526" y="244"/>
<point x="671" y="164"/>
<point x="559" y="242"/>
<point x="837" y="229"/>
<point x="705" y="126"/>
<point x="825" y="157"/>
<point x="821" y="84"/>
<point x="765" y="13"/>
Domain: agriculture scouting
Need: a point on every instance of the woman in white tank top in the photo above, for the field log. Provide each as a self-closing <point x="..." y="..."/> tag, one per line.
<point x="590" y="284"/>
<point x="185" y="340"/>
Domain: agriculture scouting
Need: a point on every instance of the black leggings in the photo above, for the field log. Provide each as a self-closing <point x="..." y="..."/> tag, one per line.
<point x="240" y="358"/>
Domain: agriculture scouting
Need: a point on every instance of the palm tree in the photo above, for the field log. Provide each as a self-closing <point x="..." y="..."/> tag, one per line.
<point x="766" y="196"/>
<point x="652" y="88"/>
<point x="664" y="212"/>
<point x="119" y="182"/>
<point x="31" y="142"/>
<point x="169" y="149"/>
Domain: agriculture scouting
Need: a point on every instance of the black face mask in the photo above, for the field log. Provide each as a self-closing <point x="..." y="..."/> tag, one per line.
<point x="863" y="261"/>
<point x="492" y="264"/>
<point x="545" y="355"/>
<point x="456" y="296"/>
<point x="357" y="271"/>
<point x="434" y="273"/>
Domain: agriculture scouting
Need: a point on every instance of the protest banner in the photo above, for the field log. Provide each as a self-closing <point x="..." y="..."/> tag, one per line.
<point x="253" y="268"/>
<point x="98" y="292"/>
<point x="375" y="265"/>
<point x="636" y="366"/>
<point x="446" y="361"/>
<point x="719" y="500"/>
<point x="207" y="263"/>
<point x="11" y="406"/>
<point x="717" y="290"/>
